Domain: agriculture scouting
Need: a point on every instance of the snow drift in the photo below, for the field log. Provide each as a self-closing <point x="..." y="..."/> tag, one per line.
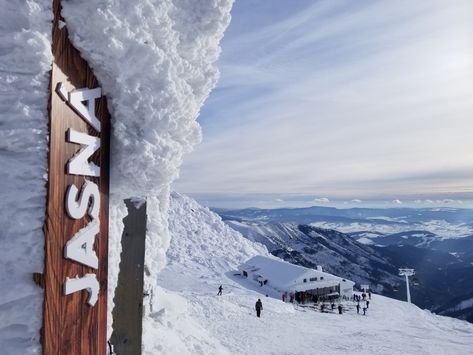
<point x="25" y="60"/>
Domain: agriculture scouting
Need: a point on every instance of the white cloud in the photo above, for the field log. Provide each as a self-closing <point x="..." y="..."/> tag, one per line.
<point x="320" y="200"/>
<point x="356" y="200"/>
<point x="397" y="202"/>
<point x="449" y="201"/>
<point x="332" y="100"/>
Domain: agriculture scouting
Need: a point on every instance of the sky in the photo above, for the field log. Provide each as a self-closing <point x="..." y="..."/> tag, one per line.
<point x="339" y="103"/>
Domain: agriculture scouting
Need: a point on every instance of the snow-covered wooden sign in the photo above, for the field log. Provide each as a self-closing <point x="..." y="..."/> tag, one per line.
<point x="76" y="227"/>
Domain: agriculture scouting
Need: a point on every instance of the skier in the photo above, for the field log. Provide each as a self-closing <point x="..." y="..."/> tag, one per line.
<point x="220" y="289"/>
<point x="367" y="304"/>
<point x="369" y="294"/>
<point x="258" y="307"/>
<point x="358" y="308"/>
<point x="340" y="309"/>
<point x="364" y="311"/>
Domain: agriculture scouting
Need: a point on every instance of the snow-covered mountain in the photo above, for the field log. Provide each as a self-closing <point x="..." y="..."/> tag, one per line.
<point x="445" y="223"/>
<point x="336" y="252"/>
<point x="441" y="275"/>
<point x="437" y="242"/>
<point x="416" y="238"/>
<point x="190" y="319"/>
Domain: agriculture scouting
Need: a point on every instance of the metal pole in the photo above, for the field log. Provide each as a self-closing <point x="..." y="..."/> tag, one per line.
<point x="407" y="288"/>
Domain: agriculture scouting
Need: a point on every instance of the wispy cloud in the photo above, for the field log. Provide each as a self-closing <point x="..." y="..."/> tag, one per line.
<point x="320" y="200"/>
<point x="341" y="99"/>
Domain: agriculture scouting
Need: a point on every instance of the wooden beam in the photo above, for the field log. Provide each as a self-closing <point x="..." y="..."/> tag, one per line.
<point x="70" y="324"/>
<point x="128" y="311"/>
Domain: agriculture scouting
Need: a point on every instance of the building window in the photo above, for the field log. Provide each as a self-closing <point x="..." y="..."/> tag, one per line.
<point x="313" y="279"/>
<point x="305" y="280"/>
<point x="321" y="277"/>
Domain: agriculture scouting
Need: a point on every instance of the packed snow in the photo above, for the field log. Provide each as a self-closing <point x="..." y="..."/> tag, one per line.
<point x="25" y="61"/>
<point x="189" y="317"/>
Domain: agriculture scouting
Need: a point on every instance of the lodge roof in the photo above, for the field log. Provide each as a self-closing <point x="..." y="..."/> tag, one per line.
<point x="284" y="273"/>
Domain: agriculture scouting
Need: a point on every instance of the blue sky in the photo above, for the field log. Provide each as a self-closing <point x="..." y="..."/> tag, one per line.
<point x="339" y="103"/>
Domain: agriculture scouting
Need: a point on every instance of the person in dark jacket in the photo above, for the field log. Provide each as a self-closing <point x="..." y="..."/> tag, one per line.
<point x="340" y="309"/>
<point x="258" y="307"/>
<point x="358" y="308"/>
<point x="220" y="289"/>
<point x="367" y="304"/>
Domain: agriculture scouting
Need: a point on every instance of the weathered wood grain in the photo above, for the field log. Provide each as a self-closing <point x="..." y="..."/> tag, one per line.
<point x="128" y="311"/>
<point x="70" y="325"/>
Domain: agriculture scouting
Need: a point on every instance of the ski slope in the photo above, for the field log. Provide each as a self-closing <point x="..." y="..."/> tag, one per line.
<point x="189" y="318"/>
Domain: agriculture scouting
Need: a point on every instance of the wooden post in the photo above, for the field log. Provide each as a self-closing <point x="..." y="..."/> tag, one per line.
<point x="128" y="311"/>
<point x="73" y="322"/>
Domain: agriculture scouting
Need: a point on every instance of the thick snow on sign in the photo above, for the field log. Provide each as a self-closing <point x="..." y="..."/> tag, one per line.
<point x="155" y="61"/>
<point x="25" y="61"/>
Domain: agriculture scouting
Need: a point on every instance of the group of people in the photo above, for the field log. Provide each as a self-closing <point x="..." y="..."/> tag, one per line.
<point x="356" y="298"/>
<point x="364" y="297"/>
<point x="332" y="307"/>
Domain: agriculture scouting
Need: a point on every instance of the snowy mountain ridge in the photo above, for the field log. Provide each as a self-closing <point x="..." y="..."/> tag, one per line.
<point x="445" y="223"/>
<point x="189" y="318"/>
<point x="310" y="246"/>
<point x="442" y="266"/>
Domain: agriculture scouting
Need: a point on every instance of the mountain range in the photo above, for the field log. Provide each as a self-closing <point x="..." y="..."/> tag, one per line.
<point x="372" y="255"/>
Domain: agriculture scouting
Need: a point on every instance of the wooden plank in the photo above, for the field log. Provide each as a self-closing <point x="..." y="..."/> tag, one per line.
<point x="70" y="325"/>
<point x="128" y="311"/>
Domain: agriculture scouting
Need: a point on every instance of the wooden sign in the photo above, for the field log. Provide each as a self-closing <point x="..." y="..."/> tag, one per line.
<point x="76" y="227"/>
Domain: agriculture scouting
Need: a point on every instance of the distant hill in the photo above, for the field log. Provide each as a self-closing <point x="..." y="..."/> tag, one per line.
<point x="309" y="215"/>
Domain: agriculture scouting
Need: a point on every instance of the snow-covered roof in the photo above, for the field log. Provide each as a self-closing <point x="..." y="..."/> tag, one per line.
<point x="274" y="269"/>
<point x="283" y="273"/>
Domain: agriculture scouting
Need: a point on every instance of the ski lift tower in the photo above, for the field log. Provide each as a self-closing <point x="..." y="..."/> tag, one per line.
<point x="407" y="273"/>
